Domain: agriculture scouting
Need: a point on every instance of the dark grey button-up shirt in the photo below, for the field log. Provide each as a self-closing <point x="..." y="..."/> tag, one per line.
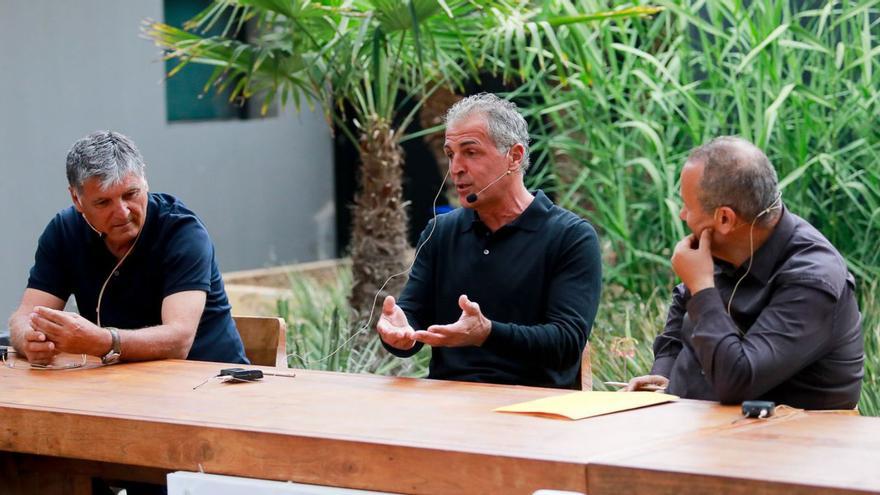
<point x="793" y="335"/>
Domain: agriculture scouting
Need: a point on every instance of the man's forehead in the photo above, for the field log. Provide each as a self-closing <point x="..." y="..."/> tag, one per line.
<point x="468" y="131"/>
<point x="99" y="185"/>
<point x="692" y="169"/>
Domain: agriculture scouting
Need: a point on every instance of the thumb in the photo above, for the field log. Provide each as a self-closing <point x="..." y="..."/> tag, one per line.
<point x="388" y="305"/>
<point x="469" y="307"/>
<point x="706" y="240"/>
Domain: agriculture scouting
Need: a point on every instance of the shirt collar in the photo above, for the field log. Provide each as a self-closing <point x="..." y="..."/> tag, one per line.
<point x="765" y="259"/>
<point x="531" y="219"/>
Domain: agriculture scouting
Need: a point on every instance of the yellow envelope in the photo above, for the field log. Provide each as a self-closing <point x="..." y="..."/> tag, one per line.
<point x="580" y="405"/>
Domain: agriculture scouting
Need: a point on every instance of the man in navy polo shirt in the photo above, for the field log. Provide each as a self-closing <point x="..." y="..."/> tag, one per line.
<point x="506" y="289"/>
<point x="140" y="265"/>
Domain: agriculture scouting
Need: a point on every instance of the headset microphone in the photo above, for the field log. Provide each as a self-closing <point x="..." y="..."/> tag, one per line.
<point x="473" y="197"/>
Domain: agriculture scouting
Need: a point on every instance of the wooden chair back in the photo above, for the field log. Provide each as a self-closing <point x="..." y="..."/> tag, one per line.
<point x="264" y="339"/>
<point x="584" y="379"/>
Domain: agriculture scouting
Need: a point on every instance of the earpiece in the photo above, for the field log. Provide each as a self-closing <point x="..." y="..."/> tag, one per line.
<point x="777" y="203"/>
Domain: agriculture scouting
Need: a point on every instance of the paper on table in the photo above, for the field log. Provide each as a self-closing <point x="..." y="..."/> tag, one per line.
<point x="580" y="405"/>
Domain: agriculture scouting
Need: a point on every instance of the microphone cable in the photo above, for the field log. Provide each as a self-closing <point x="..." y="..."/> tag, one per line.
<point x="366" y="325"/>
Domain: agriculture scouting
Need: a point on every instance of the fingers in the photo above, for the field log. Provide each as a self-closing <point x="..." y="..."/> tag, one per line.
<point x="706" y="240"/>
<point x="394" y="333"/>
<point x="37" y="348"/>
<point x="683" y="244"/>
<point x="467" y="306"/>
<point x="436" y="335"/>
<point x="633" y="385"/>
<point x="53" y="315"/>
<point x="45" y="326"/>
<point x="388" y="305"/>
<point x="387" y="328"/>
<point x="34" y="336"/>
<point x="398" y="341"/>
<point x="394" y="336"/>
<point x="638" y="383"/>
<point x="647" y="382"/>
<point x="431" y="337"/>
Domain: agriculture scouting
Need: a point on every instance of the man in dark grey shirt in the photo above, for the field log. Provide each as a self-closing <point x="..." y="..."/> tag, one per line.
<point x="767" y="308"/>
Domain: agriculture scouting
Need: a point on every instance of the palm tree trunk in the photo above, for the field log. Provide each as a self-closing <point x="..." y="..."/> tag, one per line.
<point x="379" y="241"/>
<point x="432" y="113"/>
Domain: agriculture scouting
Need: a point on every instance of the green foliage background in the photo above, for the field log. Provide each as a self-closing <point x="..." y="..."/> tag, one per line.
<point x="613" y="122"/>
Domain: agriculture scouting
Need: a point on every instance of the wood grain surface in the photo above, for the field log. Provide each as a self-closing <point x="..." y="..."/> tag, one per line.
<point x="796" y="453"/>
<point x="361" y="431"/>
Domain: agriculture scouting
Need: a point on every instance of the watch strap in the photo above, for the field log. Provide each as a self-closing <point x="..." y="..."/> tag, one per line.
<point x="115" y="352"/>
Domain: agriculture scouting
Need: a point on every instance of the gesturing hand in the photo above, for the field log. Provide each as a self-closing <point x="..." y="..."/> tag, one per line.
<point x="472" y="328"/>
<point x="393" y="327"/>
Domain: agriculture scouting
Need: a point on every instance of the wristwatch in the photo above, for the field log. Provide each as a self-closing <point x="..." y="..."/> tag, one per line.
<point x="112" y="357"/>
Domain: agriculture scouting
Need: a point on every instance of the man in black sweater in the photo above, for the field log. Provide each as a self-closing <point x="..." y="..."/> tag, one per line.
<point x="505" y="289"/>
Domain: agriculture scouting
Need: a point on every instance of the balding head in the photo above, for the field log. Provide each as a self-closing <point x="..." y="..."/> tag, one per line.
<point x="736" y="174"/>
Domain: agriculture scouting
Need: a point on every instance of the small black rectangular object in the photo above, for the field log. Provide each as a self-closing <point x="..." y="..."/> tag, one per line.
<point x="758" y="408"/>
<point x="242" y="374"/>
<point x="3" y="352"/>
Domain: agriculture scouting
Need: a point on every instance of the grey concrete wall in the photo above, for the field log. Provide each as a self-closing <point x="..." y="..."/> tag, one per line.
<point x="263" y="187"/>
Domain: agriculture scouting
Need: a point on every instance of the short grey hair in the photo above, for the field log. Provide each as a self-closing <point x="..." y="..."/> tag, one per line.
<point x="506" y="125"/>
<point x="736" y="174"/>
<point x="107" y="155"/>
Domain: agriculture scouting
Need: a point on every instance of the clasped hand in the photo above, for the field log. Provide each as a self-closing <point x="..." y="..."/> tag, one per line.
<point x="63" y="331"/>
<point x="472" y="328"/>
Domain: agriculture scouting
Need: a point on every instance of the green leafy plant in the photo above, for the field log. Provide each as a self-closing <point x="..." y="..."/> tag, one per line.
<point x="321" y="335"/>
<point x="869" y="404"/>
<point x="371" y="64"/>
<point x="802" y="83"/>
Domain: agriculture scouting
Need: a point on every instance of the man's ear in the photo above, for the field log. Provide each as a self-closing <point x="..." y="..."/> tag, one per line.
<point x="77" y="203"/>
<point x="725" y="220"/>
<point x="516" y="154"/>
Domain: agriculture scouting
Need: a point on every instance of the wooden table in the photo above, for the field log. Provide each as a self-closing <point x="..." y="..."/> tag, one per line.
<point x="359" y="431"/>
<point x="794" y="453"/>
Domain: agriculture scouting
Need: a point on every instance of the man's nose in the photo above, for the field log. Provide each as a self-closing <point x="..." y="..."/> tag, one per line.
<point x="455" y="165"/>
<point x="122" y="209"/>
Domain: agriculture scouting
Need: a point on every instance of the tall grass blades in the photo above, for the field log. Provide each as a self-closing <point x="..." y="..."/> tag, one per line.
<point x="801" y="79"/>
<point x="869" y="404"/>
<point x="611" y="131"/>
<point x="623" y="335"/>
<point x="320" y="333"/>
<point x="804" y="84"/>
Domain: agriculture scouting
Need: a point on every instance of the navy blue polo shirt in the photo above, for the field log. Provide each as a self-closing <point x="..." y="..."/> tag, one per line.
<point x="173" y="254"/>
<point x="538" y="279"/>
